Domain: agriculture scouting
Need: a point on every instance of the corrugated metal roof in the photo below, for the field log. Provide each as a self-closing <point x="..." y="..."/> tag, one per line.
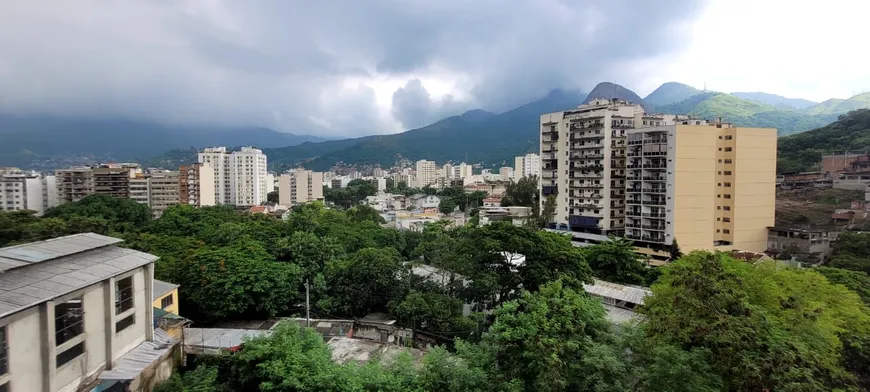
<point x="131" y="364"/>
<point x="36" y="252"/>
<point x="219" y="338"/>
<point x="26" y="286"/>
<point x="161" y="288"/>
<point x="618" y="292"/>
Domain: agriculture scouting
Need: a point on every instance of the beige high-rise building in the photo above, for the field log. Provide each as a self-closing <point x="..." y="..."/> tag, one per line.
<point x="157" y="190"/>
<point x="114" y="179"/>
<point x="427" y="172"/>
<point x="656" y="178"/>
<point x="707" y="185"/>
<point x="240" y="176"/>
<point x="299" y="187"/>
<point x="527" y="165"/>
<point x="196" y="185"/>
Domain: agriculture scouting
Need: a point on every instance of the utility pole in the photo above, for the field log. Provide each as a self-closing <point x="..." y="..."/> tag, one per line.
<point x="307" y="306"/>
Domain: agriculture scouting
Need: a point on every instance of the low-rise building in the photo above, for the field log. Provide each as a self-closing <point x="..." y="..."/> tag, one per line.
<point x="619" y="300"/>
<point x="300" y="187"/>
<point x="425" y="201"/>
<point x="804" y="244"/>
<point x="76" y="314"/>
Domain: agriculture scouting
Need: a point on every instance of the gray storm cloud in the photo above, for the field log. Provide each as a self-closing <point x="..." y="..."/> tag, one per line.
<point x="285" y="64"/>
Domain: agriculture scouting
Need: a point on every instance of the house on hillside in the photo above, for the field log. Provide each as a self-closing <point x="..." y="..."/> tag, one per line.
<point x="619" y="300"/>
<point x="76" y="315"/>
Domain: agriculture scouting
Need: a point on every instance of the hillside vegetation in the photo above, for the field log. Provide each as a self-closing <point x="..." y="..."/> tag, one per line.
<point x="669" y="93"/>
<point x="802" y="152"/>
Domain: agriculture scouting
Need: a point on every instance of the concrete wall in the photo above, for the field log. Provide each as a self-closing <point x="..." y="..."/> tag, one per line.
<point x="25" y="343"/>
<point x="754" y="195"/>
<point x="694" y="187"/>
<point x="125" y="340"/>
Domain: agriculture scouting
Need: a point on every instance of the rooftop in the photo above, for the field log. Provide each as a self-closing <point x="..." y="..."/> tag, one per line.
<point x="162" y="288"/>
<point x="618" y="292"/>
<point x="34" y="273"/>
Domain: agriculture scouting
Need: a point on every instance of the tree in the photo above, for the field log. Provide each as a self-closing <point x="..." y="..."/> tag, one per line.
<point x="555" y="340"/>
<point x="614" y="260"/>
<point x="364" y="282"/>
<point x="547" y="213"/>
<point x="857" y="281"/>
<point x="120" y="214"/>
<point x="522" y="193"/>
<point x="674" y="250"/>
<point x="764" y="326"/>
<point x="851" y="252"/>
<point x="365" y="213"/>
<point x="447" y="206"/>
<point x="235" y="282"/>
<point x="434" y="312"/>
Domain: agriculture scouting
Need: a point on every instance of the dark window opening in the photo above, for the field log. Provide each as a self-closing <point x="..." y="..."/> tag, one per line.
<point x="68" y="321"/>
<point x="125" y="323"/>
<point x="123" y="295"/>
<point x="70" y="354"/>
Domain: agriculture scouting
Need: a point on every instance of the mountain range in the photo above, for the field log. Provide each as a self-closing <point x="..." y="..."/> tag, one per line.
<point x="477" y="136"/>
<point x="42" y="141"/>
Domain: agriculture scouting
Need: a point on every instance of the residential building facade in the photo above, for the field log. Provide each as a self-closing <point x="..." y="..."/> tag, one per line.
<point x="114" y="179"/>
<point x="427" y="172"/>
<point x="707" y="185"/>
<point x="196" y="185"/>
<point x="654" y="178"/>
<point x="74" y="184"/>
<point x="240" y="176"/>
<point x="20" y="190"/>
<point x="299" y="187"/>
<point x="527" y="165"/>
<point x="76" y="314"/>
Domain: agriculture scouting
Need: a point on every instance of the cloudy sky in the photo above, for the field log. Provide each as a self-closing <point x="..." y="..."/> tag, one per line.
<point x="348" y="68"/>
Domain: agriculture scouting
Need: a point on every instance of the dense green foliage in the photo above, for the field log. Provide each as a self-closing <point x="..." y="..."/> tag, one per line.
<point x="802" y="152"/>
<point x="712" y="323"/>
<point x="351" y="195"/>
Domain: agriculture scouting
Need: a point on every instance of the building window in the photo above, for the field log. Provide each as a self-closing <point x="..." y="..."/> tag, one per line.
<point x="68" y="321"/>
<point x="4" y="360"/>
<point x="70" y="354"/>
<point x="728" y="185"/>
<point x="123" y="295"/>
<point x="727" y="161"/>
<point x="125" y="323"/>
<point x="718" y="207"/>
<point x="727" y="149"/>
<point x="726" y="219"/>
<point x="727" y="195"/>
<point x="728" y="137"/>
<point x="727" y="172"/>
<point x="727" y="208"/>
<point x="726" y="231"/>
<point x="166" y="302"/>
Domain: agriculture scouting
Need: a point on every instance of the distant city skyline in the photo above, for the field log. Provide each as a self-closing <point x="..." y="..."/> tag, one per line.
<point x="388" y="67"/>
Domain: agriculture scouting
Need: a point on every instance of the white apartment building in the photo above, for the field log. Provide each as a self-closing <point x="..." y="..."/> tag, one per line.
<point x="583" y="155"/>
<point x="427" y="172"/>
<point x="299" y="187"/>
<point x="76" y="315"/>
<point x="527" y="165"/>
<point x="240" y="176"/>
<point x="20" y="190"/>
<point x="446" y="171"/>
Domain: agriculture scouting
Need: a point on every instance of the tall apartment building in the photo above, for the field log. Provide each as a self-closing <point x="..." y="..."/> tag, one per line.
<point x="20" y="190"/>
<point x="299" y="186"/>
<point x="427" y="172"/>
<point x="157" y="190"/>
<point x="506" y="173"/>
<point x="74" y="184"/>
<point x="527" y="165"/>
<point x="446" y="171"/>
<point x="673" y="180"/>
<point x="462" y="170"/>
<point x="240" y="176"/>
<point x="196" y="185"/>
<point x="583" y="155"/>
<point x="114" y="179"/>
<point x="707" y="185"/>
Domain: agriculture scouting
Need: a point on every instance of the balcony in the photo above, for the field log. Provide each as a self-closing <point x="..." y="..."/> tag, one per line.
<point x="655" y="166"/>
<point x="586" y="136"/>
<point x="654" y="178"/>
<point x="548" y="156"/>
<point x="654" y="153"/>
<point x="653" y="215"/>
<point x="654" y="202"/>
<point x="590" y="166"/>
<point x="654" y="227"/>
<point x="582" y="221"/>
<point x="588" y="146"/>
<point x="654" y="190"/>
<point x="587" y="175"/>
<point x="549" y="140"/>
<point x="549" y="190"/>
<point x="586" y="156"/>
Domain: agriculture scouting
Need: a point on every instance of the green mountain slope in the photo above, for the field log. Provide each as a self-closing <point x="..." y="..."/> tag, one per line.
<point x="27" y="141"/>
<point x="747" y="113"/>
<point x="670" y="92"/>
<point x="825" y="107"/>
<point x="777" y="101"/>
<point x="473" y="137"/>
<point x="802" y="152"/>
<point x="609" y="90"/>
